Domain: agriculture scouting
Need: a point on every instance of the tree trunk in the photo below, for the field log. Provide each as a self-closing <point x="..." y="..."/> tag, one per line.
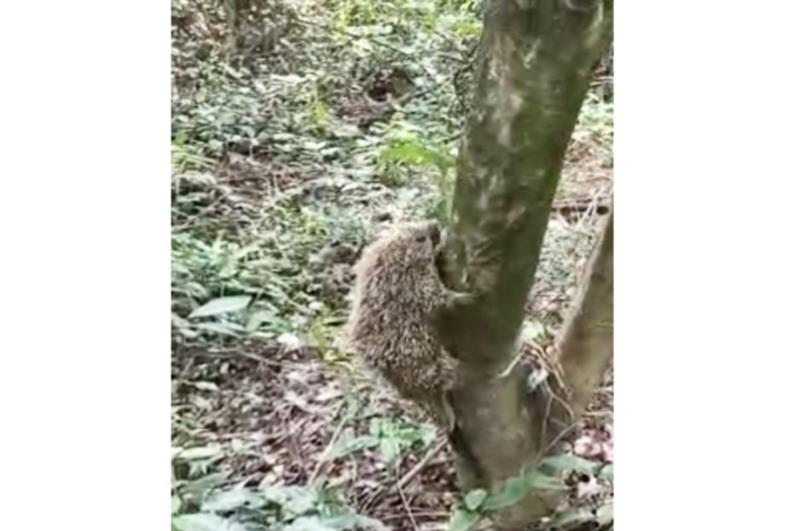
<point x="535" y="64"/>
<point x="586" y="346"/>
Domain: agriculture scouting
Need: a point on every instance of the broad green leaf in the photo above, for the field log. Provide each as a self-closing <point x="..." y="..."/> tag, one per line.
<point x="389" y="449"/>
<point x="466" y="28"/>
<point x="308" y="523"/>
<point x="258" y="318"/>
<point x="376" y="427"/>
<point x="198" y="452"/>
<point x="513" y="490"/>
<point x="179" y="322"/>
<point x="407" y="436"/>
<point x="388" y="427"/>
<point x="349" y="446"/>
<point x="428" y="434"/>
<point x="205" y="386"/>
<point x="205" y="522"/>
<point x="284" y="137"/>
<point x="606" y="473"/>
<point x="605" y="514"/>
<point x="176" y="503"/>
<point x="198" y="487"/>
<point x="538" y="480"/>
<point x="342" y="130"/>
<point x="463" y="520"/>
<point x="350" y="522"/>
<point x="473" y="500"/>
<point x="571" y="462"/>
<point x="408" y="152"/>
<point x="571" y="516"/>
<point x="296" y="500"/>
<point x="231" y="499"/>
<point x="222" y="305"/>
<point x="229" y="329"/>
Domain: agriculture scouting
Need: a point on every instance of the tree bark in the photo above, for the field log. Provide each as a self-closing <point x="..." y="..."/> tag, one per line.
<point x="535" y="64"/>
<point x="586" y="346"/>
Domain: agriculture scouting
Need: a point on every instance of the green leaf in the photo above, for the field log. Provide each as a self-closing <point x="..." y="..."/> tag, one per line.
<point x="179" y="322"/>
<point x="231" y="499"/>
<point x="415" y="153"/>
<point x="473" y="500"/>
<point x="342" y="130"/>
<point x="571" y="516"/>
<point x="197" y="488"/>
<point x="513" y="490"/>
<point x="463" y="520"/>
<point x="176" y="503"/>
<point x="428" y="434"/>
<point x="571" y="462"/>
<point x="229" y="329"/>
<point x="222" y="305"/>
<point x="294" y="499"/>
<point x="606" y="473"/>
<point x="541" y="481"/>
<point x="198" y="452"/>
<point x="466" y="28"/>
<point x="308" y="523"/>
<point x="205" y="522"/>
<point x="205" y="386"/>
<point x="389" y="448"/>
<point x="349" y="446"/>
<point x="605" y="514"/>
<point x="351" y="522"/>
<point x="258" y="318"/>
<point x="376" y="427"/>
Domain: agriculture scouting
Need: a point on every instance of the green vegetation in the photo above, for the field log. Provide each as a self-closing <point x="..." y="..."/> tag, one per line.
<point x="297" y="128"/>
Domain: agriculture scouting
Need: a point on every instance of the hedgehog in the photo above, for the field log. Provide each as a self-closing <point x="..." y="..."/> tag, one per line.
<point x="397" y="295"/>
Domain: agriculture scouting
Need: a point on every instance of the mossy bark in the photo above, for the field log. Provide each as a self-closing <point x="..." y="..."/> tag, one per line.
<point x="535" y="65"/>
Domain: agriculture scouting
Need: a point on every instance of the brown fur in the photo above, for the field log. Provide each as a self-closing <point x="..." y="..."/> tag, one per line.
<point x="397" y="292"/>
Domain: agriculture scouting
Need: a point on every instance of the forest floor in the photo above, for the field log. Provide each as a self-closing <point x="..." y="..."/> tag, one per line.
<point x="262" y="399"/>
<point x="275" y="408"/>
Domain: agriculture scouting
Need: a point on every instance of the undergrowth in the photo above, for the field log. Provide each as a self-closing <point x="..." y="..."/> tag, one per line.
<point x="297" y="127"/>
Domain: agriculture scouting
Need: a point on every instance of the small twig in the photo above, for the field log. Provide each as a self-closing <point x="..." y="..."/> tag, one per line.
<point x="426" y="514"/>
<point x="294" y="446"/>
<point x="407" y="478"/>
<point x="406" y="506"/>
<point x="506" y="372"/>
<point x="421" y="464"/>
<point x="544" y="427"/>
<point x="601" y="413"/>
<point x="247" y="355"/>
<point x="327" y="449"/>
<point x="408" y="510"/>
<point x="556" y="439"/>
